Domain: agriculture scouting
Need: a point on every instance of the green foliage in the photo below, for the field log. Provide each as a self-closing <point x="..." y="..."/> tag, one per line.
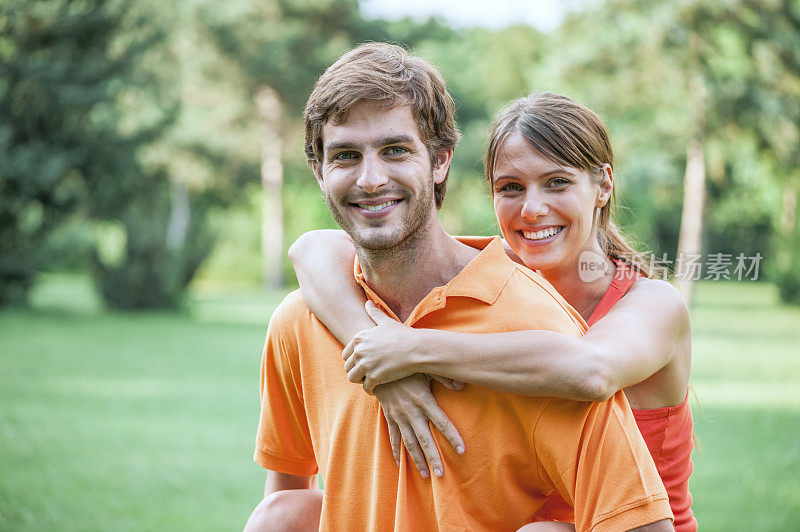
<point x="63" y="144"/>
<point x="153" y="271"/>
<point x="56" y="70"/>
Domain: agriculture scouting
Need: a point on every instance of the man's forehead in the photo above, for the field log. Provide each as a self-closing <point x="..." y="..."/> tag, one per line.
<point x="369" y="122"/>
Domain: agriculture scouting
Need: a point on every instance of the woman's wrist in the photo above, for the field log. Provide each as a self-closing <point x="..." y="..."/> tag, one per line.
<point x="423" y="355"/>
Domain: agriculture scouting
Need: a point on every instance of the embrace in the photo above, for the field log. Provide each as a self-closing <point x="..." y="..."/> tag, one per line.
<point x="488" y="384"/>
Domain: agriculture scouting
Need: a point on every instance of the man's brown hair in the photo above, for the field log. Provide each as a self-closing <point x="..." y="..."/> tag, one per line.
<point x="384" y="73"/>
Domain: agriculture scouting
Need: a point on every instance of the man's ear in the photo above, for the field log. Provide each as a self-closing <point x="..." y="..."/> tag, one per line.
<point x="606" y="186"/>
<point x="441" y="165"/>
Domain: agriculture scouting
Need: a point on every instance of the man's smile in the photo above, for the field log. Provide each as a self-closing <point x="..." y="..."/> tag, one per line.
<point x="376" y="208"/>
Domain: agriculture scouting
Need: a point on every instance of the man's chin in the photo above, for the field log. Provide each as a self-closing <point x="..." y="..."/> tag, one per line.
<point x="376" y="242"/>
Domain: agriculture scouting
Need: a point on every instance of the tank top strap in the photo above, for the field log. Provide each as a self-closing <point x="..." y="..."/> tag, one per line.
<point x="624" y="278"/>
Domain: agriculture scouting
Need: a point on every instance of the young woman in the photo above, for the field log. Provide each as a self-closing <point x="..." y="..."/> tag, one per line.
<point x="550" y="167"/>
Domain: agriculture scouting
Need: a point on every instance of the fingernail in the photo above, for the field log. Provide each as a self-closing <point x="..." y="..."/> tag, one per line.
<point x="460" y="449"/>
<point x="424" y="474"/>
<point x="437" y="472"/>
<point x="459" y="384"/>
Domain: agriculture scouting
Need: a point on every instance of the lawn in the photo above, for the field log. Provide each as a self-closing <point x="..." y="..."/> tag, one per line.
<point x="146" y="421"/>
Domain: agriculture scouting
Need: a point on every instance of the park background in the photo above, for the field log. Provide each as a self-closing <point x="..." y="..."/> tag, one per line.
<point x="152" y="177"/>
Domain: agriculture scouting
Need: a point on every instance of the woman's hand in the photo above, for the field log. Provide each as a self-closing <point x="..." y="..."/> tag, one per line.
<point x="384" y="353"/>
<point x="408" y="405"/>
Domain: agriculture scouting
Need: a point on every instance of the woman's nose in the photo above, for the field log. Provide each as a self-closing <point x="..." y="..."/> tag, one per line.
<point x="535" y="206"/>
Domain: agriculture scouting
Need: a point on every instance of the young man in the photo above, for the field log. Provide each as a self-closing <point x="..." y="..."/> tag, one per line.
<point x="380" y="135"/>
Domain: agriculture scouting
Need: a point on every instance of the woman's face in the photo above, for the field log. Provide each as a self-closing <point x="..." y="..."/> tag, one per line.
<point x="546" y="211"/>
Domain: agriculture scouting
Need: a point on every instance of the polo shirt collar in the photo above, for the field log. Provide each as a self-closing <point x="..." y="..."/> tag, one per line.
<point x="482" y="279"/>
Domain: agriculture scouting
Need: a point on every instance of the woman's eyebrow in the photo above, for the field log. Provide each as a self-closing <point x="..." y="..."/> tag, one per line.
<point x="559" y="171"/>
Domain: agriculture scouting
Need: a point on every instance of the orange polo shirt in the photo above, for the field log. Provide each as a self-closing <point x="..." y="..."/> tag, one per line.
<point x="518" y="449"/>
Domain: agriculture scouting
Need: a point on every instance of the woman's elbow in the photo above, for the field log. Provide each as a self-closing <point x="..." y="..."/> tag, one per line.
<point x="311" y="242"/>
<point x="596" y="385"/>
<point x="297" y="247"/>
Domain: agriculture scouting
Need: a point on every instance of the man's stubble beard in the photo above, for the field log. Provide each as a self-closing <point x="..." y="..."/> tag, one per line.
<point x="411" y="231"/>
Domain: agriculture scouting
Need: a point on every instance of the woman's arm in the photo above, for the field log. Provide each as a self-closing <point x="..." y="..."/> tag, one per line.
<point x="323" y="262"/>
<point x="639" y="336"/>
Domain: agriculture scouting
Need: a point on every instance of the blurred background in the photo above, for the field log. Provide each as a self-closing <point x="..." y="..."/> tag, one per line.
<point x="152" y="177"/>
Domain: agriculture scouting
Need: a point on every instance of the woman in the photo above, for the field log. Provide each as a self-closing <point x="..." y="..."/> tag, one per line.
<point x="550" y="166"/>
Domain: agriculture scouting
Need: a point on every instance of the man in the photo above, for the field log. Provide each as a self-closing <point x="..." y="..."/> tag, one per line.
<point x="380" y="135"/>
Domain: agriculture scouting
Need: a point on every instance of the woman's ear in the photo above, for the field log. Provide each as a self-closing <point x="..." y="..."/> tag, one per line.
<point x="605" y="186"/>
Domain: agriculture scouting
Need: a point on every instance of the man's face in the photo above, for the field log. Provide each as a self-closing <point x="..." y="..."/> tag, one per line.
<point x="376" y="175"/>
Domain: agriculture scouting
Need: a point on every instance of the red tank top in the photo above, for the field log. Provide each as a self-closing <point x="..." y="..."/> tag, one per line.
<point x="666" y="431"/>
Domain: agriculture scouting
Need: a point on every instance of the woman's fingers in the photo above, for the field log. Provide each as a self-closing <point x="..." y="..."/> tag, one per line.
<point x="355" y="375"/>
<point x="428" y="446"/>
<point x="377" y="315"/>
<point x="445" y="426"/>
<point x="349" y="363"/>
<point x="370" y="384"/>
<point x="396" y="440"/>
<point x="348" y="349"/>
<point x="414" y="450"/>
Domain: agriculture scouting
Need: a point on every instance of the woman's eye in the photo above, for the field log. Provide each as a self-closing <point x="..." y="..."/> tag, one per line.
<point x="511" y="187"/>
<point x="558" y="182"/>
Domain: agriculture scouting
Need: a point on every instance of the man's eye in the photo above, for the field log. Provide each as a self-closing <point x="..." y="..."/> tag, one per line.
<point x="345" y="156"/>
<point x="396" y="150"/>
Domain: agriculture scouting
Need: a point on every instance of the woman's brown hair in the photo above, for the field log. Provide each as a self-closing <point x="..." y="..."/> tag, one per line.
<point x="568" y="134"/>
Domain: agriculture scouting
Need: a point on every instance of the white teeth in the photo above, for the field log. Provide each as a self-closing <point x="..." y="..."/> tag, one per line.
<point x="377" y="207"/>
<point x="544" y="233"/>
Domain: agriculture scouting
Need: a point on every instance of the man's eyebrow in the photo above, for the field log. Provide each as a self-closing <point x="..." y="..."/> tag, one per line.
<point x="343" y="146"/>
<point x="397" y="139"/>
<point x="385" y="141"/>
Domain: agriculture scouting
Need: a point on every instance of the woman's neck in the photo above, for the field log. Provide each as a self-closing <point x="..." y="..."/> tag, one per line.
<point x="584" y="280"/>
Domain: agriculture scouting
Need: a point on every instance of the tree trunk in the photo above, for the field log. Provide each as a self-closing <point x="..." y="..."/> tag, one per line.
<point x="269" y="106"/>
<point x="690" y="244"/>
<point x="789" y="207"/>
<point x="694" y="198"/>
<point x="179" y="216"/>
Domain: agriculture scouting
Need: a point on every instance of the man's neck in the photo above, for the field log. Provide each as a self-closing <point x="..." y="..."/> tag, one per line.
<point x="404" y="275"/>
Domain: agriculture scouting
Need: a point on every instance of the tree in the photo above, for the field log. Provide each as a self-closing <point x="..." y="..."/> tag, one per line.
<point x="60" y="139"/>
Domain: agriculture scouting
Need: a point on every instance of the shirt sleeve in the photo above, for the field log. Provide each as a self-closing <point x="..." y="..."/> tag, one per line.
<point x="595" y="458"/>
<point x="283" y="441"/>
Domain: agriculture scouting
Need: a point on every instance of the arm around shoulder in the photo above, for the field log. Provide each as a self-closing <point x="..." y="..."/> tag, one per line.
<point x="323" y="262"/>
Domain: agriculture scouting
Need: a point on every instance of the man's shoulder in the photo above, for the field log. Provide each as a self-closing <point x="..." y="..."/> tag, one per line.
<point x="291" y="314"/>
<point x="540" y="301"/>
<point x="292" y="320"/>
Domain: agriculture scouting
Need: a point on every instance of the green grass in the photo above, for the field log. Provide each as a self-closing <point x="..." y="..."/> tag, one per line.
<point x="146" y="421"/>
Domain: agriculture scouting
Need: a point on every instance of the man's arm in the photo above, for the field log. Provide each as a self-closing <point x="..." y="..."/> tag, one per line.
<point x="289" y="503"/>
<point x="665" y="525"/>
<point x="284" y="481"/>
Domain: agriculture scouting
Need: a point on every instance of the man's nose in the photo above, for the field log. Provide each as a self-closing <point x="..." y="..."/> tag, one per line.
<point x="372" y="175"/>
<point x="535" y="205"/>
